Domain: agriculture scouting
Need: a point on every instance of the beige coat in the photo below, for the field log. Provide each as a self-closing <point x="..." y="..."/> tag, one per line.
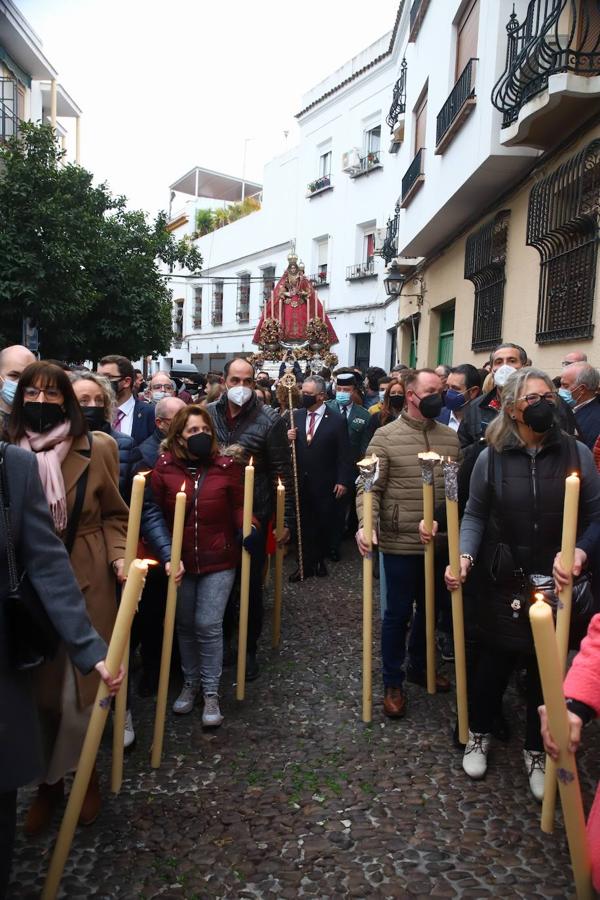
<point x="100" y="540"/>
<point x="398" y="492"/>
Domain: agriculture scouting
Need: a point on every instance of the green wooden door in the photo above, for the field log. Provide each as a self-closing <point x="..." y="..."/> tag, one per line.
<point x="446" y="342"/>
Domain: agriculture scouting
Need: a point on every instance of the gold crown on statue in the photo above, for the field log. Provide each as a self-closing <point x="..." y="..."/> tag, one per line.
<point x="293" y="257"/>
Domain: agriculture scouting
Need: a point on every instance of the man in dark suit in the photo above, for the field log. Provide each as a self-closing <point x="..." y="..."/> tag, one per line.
<point x="132" y="416"/>
<point x="324" y="472"/>
<point x="579" y="385"/>
<point x="463" y="385"/>
<point x="47" y="564"/>
<point x="357" y="422"/>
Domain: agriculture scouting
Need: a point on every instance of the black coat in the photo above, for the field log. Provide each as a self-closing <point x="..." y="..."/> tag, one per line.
<point x="47" y="564"/>
<point x="144" y="421"/>
<point x="149" y="450"/>
<point x="588" y="422"/>
<point x="481" y="411"/>
<point x="327" y="461"/>
<point x="263" y="435"/>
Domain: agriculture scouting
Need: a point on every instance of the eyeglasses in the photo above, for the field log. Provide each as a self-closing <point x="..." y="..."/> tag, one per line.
<point x="532" y="399"/>
<point x="51" y="394"/>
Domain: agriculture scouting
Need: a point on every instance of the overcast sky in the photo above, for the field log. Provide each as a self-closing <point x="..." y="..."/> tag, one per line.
<point x="168" y="85"/>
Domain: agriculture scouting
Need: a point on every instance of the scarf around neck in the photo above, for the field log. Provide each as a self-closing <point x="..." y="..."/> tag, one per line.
<point x="50" y="449"/>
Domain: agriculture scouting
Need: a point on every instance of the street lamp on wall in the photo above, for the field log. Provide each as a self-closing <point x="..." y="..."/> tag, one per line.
<point x="394" y="281"/>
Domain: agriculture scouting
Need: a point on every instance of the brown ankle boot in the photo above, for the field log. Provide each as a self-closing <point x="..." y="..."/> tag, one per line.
<point x="92" y="802"/>
<point x="39" y="815"/>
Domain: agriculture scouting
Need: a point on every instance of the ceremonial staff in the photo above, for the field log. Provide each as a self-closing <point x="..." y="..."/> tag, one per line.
<point x="428" y="461"/>
<point x="279" y="527"/>
<point x="366" y="479"/>
<point x="288" y="381"/>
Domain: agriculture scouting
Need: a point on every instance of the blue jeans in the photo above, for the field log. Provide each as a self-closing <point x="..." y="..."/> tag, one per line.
<point x="405" y="580"/>
<point x="199" y="620"/>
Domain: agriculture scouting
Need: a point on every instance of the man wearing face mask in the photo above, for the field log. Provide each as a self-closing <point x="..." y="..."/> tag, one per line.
<point x="132" y="416"/>
<point x="579" y="384"/>
<point x="240" y="418"/>
<point x="160" y="387"/>
<point x="164" y="412"/>
<point x="325" y="471"/>
<point x="12" y="362"/>
<point x="505" y="360"/>
<point x="357" y="422"/>
<point x="398" y="504"/>
<point x="463" y="385"/>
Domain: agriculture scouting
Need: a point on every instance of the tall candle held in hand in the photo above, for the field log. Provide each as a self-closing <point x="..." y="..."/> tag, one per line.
<point x="129" y="601"/>
<point x="169" y="626"/>
<point x="540" y="616"/>
<point x="245" y="583"/>
<point x="563" y="625"/>
<point x="368" y="469"/>
<point x="428" y="462"/>
<point x="279" y="526"/>
<point x="133" y="536"/>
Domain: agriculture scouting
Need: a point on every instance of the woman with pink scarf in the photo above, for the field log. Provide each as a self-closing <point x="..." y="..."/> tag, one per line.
<point x="80" y="479"/>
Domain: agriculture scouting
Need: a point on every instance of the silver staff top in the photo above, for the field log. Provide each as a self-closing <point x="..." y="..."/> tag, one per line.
<point x="428" y="462"/>
<point x="368" y="469"/>
<point x="450" y="468"/>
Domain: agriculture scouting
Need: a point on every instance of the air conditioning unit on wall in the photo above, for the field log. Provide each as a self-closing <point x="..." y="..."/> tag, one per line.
<point x="351" y="160"/>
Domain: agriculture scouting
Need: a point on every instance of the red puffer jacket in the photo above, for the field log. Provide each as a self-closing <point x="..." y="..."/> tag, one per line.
<point x="213" y="521"/>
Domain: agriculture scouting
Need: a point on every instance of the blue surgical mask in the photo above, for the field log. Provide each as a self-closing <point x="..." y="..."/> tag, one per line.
<point x="8" y="391"/>
<point x="158" y="395"/>
<point x="342" y="398"/>
<point x="567" y="396"/>
<point x="454" y="400"/>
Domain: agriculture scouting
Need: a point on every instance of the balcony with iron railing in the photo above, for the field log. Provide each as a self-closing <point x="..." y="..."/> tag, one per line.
<point x="413" y="178"/>
<point x="243" y="303"/>
<point x="550" y="58"/>
<point x="389" y="249"/>
<point x="367" y="163"/>
<point x="417" y="14"/>
<point x="321" y="279"/>
<point x="216" y="315"/>
<point x="9" y="120"/>
<point x="361" y="270"/>
<point x="457" y="107"/>
<point x="395" y="117"/>
<point x="319" y="186"/>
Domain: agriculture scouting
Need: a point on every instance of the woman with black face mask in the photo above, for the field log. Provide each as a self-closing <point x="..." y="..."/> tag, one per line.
<point x="391" y="407"/>
<point x="97" y="400"/>
<point x="80" y="480"/>
<point x="512" y="530"/>
<point x="213" y="484"/>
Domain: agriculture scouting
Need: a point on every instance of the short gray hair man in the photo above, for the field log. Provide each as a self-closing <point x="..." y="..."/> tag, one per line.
<point x="318" y="382"/>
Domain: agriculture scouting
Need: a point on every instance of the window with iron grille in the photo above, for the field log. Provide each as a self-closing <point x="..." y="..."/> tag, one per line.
<point x="562" y="225"/>
<point x="243" y="300"/>
<point x="198" y="308"/>
<point x="268" y="275"/>
<point x="485" y="256"/>
<point x="217" y="304"/>
<point x="179" y="304"/>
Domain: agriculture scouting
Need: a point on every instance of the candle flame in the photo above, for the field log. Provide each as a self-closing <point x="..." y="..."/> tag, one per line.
<point x="150" y="562"/>
<point x="182" y="488"/>
<point x="251" y="463"/>
<point x="574" y="474"/>
<point x="539" y="596"/>
<point x="143" y="474"/>
<point x="279" y="484"/>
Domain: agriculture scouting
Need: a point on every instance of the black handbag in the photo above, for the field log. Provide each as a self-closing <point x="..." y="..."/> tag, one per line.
<point x="31" y="637"/>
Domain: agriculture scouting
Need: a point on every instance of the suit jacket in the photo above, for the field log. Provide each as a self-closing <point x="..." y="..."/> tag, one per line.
<point x="358" y="428"/>
<point x="327" y="460"/>
<point x="444" y="416"/>
<point x="144" y="421"/>
<point x="46" y="562"/>
<point x="588" y="422"/>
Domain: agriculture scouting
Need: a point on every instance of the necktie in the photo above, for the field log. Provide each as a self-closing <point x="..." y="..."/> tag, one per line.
<point x="311" y="426"/>
<point x="119" y="416"/>
<point x="344" y="412"/>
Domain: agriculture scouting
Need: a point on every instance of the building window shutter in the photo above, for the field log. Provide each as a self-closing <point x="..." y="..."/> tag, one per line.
<point x="466" y="38"/>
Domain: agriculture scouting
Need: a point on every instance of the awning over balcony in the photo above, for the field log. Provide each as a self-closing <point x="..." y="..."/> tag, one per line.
<point x="199" y="182"/>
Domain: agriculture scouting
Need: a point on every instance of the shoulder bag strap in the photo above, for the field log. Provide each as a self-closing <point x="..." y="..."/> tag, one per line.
<point x="73" y="522"/>
<point x="13" y="572"/>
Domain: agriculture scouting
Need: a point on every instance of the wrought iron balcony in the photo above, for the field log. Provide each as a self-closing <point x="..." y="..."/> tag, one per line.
<point x="556" y="36"/>
<point x="398" y="107"/>
<point x="9" y="120"/>
<point x="321" y="279"/>
<point x="361" y="270"/>
<point x="367" y="163"/>
<point x="457" y="107"/>
<point x="323" y="183"/>
<point x="390" y="245"/>
<point x="414" y="178"/>
<point x="417" y="14"/>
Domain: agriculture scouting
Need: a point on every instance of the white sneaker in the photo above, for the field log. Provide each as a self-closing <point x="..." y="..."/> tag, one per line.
<point x="211" y="717"/>
<point x="185" y="702"/>
<point x="129" y="733"/>
<point x="475" y="756"/>
<point x="535" y="765"/>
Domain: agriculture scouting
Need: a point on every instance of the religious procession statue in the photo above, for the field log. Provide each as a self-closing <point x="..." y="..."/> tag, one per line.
<point x="293" y="325"/>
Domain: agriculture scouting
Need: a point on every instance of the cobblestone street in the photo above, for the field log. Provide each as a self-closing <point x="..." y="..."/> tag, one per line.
<point x="293" y="796"/>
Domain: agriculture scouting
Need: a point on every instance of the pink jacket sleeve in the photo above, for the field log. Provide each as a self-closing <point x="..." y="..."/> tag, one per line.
<point x="583" y="678"/>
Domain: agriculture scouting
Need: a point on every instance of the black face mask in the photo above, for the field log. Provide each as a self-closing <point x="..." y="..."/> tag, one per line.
<point x="431" y="405"/>
<point x="41" y="417"/>
<point x="264" y="383"/>
<point x="540" y="416"/>
<point x="308" y="401"/>
<point x="200" y="446"/>
<point x="114" y="383"/>
<point x="397" y="401"/>
<point x="94" y="416"/>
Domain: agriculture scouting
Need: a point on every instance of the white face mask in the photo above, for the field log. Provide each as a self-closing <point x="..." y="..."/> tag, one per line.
<point x="502" y="375"/>
<point x="239" y="394"/>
